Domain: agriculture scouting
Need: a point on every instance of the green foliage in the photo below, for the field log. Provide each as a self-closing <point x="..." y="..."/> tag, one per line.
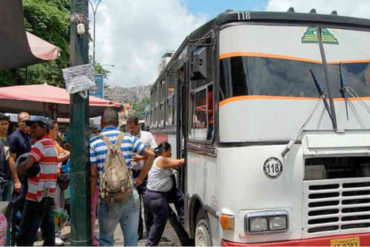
<point x="138" y="108"/>
<point x="100" y="70"/>
<point x="49" y="20"/>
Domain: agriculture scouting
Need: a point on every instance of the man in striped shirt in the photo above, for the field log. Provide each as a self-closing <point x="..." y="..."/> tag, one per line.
<point x="125" y="213"/>
<point x="41" y="170"/>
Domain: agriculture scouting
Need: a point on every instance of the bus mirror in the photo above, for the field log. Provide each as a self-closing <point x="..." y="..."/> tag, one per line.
<point x="199" y="64"/>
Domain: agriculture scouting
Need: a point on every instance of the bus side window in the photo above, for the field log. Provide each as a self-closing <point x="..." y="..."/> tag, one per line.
<point x="210" y="107"/>
<point x="202" y="114"/>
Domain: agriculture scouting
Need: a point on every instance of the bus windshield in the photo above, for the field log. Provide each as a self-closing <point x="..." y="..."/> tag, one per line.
<point x="251" y="73"/>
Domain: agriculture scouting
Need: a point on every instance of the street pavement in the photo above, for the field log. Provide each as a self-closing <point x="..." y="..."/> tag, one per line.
<point x="169" y="238"/>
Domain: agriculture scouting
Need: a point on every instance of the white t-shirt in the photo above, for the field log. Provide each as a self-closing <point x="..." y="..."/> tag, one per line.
<point x="148" y="139"/>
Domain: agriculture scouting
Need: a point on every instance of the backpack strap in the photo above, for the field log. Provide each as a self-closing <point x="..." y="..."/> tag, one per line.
<point x="117" y="147"/>
<point x="106" y="141"/>
<point x="120" y="137"/>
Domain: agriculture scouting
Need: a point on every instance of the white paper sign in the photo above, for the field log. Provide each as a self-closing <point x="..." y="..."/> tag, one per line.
<point x="79" y="78"/>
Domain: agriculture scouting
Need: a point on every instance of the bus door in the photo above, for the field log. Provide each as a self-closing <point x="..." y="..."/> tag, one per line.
<point x="181" y="125"/>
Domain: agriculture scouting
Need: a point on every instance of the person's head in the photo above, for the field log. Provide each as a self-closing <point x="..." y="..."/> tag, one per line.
<point x="39" y="127"/>
<point x="54" y="129"/>
<point x="109" y="118"/>
<point x="23" y="117"/>
<point x="163" y="149"/>
<point x="4" y="124"/>
<point x="133" y="125"/>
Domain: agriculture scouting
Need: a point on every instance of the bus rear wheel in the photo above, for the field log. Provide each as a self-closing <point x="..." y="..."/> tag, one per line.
<point x="202" y="231"/>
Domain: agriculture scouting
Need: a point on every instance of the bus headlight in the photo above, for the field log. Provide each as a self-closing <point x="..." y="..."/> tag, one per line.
<point x="258" y="224"/>
<point x="278" y="222"/>
<point x="266" y="221"/>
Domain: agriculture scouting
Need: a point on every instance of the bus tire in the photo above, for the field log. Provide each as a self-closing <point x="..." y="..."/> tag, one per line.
<point x="202" y="235"/>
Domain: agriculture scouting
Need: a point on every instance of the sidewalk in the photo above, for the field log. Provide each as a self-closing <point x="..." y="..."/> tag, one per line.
<point x="169" y="237"/>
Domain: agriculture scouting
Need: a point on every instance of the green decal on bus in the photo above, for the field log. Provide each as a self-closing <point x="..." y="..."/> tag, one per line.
<point x="310" y="36"/>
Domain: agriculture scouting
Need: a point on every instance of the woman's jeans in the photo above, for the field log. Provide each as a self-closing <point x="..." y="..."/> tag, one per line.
<point x="125" y="213"/>
<point x="35" y="215"/>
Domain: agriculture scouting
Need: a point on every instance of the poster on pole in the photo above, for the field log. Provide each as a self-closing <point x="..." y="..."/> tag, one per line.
<point x="98" y="89"/>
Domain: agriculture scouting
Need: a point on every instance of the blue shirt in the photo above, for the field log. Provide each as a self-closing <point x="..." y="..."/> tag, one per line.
<point x="98" y="149"/>
<point x="19" y="143"/>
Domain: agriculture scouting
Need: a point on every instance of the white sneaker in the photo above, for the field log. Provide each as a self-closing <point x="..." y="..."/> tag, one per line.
<point x="59" y="241"/>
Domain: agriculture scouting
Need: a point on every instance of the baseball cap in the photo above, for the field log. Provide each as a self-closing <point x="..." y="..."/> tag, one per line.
<point x="39" y="119"/>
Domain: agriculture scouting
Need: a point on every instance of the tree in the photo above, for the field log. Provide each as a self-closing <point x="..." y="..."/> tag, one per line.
<point x="49" y="20"/>
<point x="138" y="108"/>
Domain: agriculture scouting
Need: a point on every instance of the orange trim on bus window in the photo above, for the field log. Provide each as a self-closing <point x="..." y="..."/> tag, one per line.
<point x="351" y="61"/>
<point x="291" y="98"/>
<point x="255" y="54"/>
<point x="301" y="59"/>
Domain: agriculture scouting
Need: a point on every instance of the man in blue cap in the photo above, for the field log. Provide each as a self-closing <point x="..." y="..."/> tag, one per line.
<point x="41" y="170"/>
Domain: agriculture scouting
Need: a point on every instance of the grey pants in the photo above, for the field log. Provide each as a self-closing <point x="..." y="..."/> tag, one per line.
<point x="59" y="198"/>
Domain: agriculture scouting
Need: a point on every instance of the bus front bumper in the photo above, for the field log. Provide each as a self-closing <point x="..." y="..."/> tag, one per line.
<point x="342" y="240"/>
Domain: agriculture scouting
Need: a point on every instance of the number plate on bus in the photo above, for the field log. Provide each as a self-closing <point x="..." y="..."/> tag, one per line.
<point x="345" y="242"/>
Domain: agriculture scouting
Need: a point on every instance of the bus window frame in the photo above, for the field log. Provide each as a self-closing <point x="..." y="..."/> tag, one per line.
<point x="192" y="93"/>
<point x="170" y="78"/>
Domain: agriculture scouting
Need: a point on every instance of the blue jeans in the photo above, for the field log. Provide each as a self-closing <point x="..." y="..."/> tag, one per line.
<point x="125" y="213"/>
<point x="6" y="190"/>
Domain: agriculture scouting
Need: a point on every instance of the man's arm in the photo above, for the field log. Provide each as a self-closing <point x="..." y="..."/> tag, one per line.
<point x="66" y="156"/>
<point x="17" y="183"/>
<point x="25" y="165"/>
<point x="149" y="157"/>
<point x="93" y="180"/>
<point x="93" y="171"/>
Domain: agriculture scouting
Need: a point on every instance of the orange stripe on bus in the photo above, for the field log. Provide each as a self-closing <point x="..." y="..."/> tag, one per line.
<point x="254" y="54"/>
<point x="291" y="98"/>
<point x="300" y="59"/>
<point x="351" y="61"/>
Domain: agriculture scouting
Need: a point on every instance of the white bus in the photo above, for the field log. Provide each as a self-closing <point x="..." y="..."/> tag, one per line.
<point x="272" y="114"/>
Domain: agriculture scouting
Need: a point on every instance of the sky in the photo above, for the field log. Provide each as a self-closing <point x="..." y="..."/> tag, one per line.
<point x="132" y="35"/>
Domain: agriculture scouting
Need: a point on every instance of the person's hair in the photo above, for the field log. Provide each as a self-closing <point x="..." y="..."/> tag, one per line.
<point x="132" y="119"/>
<point x="163" y="146"/>
<point x="4" y="117"/>
<point x="22" y="113"/>
<point x="110" y="117"/>
<point x="52" y="123"/>
<point x="44" y="125"/>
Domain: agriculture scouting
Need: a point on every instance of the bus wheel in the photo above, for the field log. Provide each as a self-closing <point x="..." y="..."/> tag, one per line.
<point x="202" y="230"/>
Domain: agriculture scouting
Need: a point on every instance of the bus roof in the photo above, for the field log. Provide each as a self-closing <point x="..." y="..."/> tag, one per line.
<point x="289" y="17"/>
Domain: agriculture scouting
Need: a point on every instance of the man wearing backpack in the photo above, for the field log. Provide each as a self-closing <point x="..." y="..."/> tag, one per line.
<point x="110" y="157"/>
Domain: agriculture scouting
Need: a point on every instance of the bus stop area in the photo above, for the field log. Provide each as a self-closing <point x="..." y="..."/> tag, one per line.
<point x="254" y="132"/>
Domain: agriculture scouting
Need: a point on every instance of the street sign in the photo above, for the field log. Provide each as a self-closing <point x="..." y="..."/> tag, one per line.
<point x="98" y="89"/>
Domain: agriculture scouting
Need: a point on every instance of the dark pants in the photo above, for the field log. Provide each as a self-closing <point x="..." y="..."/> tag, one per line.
<point x="6" y="190"/>
<point x="157" y="204"/>
<point x="17" y="209"/>
<point x="35" y="215"/>
<point x="176" y="197"/>
<point x="141" y="190"/>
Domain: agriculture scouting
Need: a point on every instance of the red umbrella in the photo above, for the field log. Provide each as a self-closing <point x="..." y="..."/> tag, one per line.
<point x="46" y="100"/>
<point x="41" y="49"/>
<point x="19" y="48"/>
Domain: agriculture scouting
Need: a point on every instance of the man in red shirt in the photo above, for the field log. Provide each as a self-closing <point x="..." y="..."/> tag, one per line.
<point x="41" y="170"/>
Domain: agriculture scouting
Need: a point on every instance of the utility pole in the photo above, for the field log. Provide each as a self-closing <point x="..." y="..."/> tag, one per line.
<point x="79" y="119"/>
<point x="94" y="13"/>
